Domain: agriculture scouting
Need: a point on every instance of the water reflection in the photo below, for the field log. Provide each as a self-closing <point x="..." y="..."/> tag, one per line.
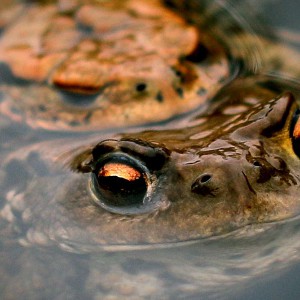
<point x="218" y="268"/>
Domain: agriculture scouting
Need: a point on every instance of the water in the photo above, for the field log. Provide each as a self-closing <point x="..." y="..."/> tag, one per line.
<point x="48" y="254"/>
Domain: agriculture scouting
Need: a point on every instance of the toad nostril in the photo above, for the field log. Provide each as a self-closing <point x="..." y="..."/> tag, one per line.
<point x="204" y="185"/>
<point x="141" y="87"/>
<point x="205" y="178"/>
<point x="257" y="164"/>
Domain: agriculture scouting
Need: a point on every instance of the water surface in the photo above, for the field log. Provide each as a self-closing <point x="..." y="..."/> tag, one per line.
<point x="254" y="262"/>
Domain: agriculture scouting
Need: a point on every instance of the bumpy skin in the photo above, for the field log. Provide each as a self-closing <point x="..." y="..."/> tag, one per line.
<point x="228" y="165"/>
<point x="98" y="66"/>
<point x="244" y="145"/>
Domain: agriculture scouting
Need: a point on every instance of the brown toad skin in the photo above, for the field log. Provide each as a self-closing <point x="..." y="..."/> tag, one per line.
<point x="246" y="156"/>
<point x="85" y="73"/>
<point x="226" y="167"/>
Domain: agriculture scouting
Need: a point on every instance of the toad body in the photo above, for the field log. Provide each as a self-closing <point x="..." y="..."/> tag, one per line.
<point x="233" y="164"/>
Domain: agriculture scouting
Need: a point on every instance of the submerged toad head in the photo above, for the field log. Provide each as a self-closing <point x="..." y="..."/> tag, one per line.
<point x="229" y="166"/>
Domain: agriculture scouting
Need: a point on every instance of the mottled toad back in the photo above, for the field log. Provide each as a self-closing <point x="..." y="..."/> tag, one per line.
<point x="98" y="65"/>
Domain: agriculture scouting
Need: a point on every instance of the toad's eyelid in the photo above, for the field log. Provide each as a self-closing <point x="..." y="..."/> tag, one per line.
<point x="153" y="157"/>
<point x="122" y="159"/>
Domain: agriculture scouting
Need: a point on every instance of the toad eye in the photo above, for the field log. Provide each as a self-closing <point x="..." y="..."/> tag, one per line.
<point x="295" y="132"/>
<point x="121" y="184"/>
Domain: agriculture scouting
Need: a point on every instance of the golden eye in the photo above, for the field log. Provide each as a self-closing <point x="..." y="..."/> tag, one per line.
<point x="295" y="132"/>
<point x="119" y="170"/>
<point x="120" y="184"/>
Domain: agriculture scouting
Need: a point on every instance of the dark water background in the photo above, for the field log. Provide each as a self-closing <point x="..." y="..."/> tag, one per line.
<point x="283" y="14"/>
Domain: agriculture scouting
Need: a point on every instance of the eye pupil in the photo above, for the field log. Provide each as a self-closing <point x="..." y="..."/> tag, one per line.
<point x="119" y="187"/>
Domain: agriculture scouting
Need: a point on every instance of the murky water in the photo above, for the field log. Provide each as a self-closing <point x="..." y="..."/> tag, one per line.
<point x="56" y="245"/>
